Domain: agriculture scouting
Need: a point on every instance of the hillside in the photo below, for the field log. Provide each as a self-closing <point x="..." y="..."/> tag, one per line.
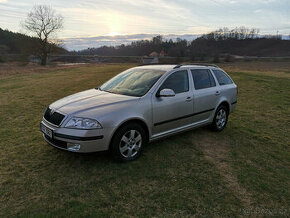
<point x="17" y="43"/>
<point x="208" y="45"/>
<point x="262" y="47"/>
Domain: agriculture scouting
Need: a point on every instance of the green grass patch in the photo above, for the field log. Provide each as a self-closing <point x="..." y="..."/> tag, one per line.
<point x="176" y="176"/>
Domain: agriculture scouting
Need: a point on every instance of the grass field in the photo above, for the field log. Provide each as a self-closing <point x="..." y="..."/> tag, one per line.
<point x="244" y="170"/>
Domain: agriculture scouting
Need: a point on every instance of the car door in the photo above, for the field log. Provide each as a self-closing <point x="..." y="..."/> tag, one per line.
<point x="173" y="112"/>
<point x="205" y="94"/>
<point x="227" y="87"/>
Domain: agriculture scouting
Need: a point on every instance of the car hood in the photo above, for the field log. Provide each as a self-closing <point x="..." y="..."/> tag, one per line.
<point x="88" y="100"/>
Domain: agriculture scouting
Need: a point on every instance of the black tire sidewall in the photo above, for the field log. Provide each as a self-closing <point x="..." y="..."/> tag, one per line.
<point x="117" y="138"/>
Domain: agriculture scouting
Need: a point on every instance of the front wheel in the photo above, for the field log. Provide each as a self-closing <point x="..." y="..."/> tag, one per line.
<point x="220" y="119"/>
<point x="128" y="142"/>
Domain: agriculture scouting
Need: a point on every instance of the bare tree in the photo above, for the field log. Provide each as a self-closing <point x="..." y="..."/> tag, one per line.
<point x="43" y="22"/>
<point x="238" y="33"/>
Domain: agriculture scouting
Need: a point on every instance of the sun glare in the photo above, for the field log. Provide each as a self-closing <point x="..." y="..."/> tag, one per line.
<point x="113" y="34"/>
<point x="115" y="23"/>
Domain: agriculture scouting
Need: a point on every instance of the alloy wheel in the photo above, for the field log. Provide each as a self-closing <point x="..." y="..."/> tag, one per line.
<point x="130" y="143"/>
<point x="221" y="118"/>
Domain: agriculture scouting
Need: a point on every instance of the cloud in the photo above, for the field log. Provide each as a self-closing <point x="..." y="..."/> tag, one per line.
<point x="98" y="17"/>
<point x="127" y="17"/>
<point x="258" y="11"/>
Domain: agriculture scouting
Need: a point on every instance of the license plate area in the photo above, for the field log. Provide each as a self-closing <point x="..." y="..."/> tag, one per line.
<point x="45" y="130"/>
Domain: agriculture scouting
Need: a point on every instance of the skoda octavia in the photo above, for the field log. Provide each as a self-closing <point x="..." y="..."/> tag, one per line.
<point x="139" y="105"/>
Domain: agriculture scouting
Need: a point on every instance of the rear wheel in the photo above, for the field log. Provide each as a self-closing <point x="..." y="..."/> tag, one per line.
<point x="220" y="119"/>
<point x="128" y="142"/>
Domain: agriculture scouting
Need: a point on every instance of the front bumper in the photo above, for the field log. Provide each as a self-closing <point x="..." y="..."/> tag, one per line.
<point x="75" y="140"/>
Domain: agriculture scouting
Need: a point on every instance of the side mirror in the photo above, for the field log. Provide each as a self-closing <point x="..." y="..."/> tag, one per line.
<point x="166" y="93"/>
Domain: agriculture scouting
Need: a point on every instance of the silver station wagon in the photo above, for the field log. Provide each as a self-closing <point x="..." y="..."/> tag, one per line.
<point x="138" y="106"/>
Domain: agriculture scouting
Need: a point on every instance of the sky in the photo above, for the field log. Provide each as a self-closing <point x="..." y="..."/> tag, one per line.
<point x="101" y="22"/>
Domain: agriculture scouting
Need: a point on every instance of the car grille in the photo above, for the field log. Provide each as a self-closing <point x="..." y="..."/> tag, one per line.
<point x="57" y="143"/>
<point x="54" y="118"/>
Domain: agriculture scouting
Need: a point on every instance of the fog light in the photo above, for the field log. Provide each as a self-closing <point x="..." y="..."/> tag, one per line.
<point x="73" y="147"/>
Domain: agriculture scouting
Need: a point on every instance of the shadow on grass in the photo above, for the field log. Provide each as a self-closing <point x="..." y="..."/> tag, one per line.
<point x="157" y="145"/>
<point x="160" y="154"/>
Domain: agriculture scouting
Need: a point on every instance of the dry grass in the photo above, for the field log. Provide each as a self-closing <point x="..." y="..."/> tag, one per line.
<point x="217" y="151"/>
<point x="237" y="172"/>
<point x="267" y="68"/>
<point x="11" y="68"/>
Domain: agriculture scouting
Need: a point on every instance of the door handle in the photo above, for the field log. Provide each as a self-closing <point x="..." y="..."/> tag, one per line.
<point x="188" y="99"/>
<point x="217" y="93"/>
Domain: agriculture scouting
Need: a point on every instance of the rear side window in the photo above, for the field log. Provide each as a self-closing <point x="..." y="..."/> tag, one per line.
<point x="177" y="81"/>
<point x="202" y="79"/>
<point x="222" y="78"/>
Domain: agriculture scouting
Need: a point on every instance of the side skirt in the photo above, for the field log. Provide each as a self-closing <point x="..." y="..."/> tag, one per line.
<point x="179" y="130"/>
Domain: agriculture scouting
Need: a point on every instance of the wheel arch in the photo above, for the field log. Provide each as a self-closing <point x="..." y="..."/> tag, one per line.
<point x="126" y="122"/>
<point x="226" y="104"/>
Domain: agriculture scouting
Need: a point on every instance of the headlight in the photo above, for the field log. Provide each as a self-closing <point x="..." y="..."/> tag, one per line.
<point x="83" y="123"/>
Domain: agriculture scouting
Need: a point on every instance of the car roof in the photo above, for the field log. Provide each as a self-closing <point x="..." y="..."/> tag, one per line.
<point x="164" y="67"/>
<point x="168" y="67"/>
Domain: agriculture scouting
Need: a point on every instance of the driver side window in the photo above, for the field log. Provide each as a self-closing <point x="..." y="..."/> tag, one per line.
<point x="177" y="81"/>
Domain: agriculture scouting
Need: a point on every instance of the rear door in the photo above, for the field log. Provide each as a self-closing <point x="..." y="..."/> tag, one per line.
<point x="227" y="87"/>
<point x="205" y="94"/>
<point x="173" y="112"/>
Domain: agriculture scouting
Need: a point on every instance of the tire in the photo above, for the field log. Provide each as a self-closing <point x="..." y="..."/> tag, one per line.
<point x="220" y="119"/>
<point x="128" y="142"/>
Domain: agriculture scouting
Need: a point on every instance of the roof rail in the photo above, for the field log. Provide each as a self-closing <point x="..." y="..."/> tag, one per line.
<point x="200" y="64"/>
<point x="154" y="64"/>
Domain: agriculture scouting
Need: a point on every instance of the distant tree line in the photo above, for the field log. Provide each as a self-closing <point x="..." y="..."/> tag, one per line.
<point x="238" y="33"/>
<point x="237" y="41"/>
<point x="224" y="41"/>
<point x="17" y="43"/>
<point x="141" y="47"/>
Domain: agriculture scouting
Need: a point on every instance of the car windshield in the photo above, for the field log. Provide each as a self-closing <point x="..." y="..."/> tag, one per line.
<point x="133" y="82"/>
